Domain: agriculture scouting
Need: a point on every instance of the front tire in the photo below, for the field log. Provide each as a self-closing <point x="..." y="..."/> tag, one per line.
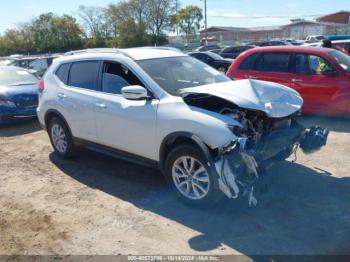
<point x="189" y="176"/>
<point x="61" y="138"/>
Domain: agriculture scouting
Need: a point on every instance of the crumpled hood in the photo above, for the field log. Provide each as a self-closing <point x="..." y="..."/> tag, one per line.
<point x="274" y="99"/>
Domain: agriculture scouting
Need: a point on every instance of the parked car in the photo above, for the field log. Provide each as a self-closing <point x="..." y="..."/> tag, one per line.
<point x="320" y="75"/>
<point x="212" y="59"/>
<point x="294" y="42"/>
<point x="315" y="38"/>
<point x="18" y="94"/>
<point x="274" y="43"/>
<point x="233" y="51"/>
<point x="338" y="37"/>
<point x="342" y="45"/>
<point x="5" y="61"/>
<point x="216" y="51"/>
<point x="210" y="136"/>
<point x="37" y="65"/>
<point x="207" y="47"/>
<point x="22" y="61"/>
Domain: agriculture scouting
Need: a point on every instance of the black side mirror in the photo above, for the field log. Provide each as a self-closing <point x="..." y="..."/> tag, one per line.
<point x="329" y="72"/>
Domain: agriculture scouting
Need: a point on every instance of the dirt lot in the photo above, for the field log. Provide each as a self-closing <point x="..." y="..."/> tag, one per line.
<point x="99" y="205"/>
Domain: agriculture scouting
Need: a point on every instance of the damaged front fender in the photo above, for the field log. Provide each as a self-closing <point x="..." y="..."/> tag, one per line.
<point x="239" y="169"/>
<point x="238" y="172"/>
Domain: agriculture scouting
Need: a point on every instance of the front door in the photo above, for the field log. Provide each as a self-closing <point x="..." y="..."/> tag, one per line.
<point x="122" y="124"/>
<point x="313" y="83"/>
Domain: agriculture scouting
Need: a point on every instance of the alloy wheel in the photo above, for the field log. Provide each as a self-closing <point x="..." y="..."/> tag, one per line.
<point x="59" y="138"/>
<point x="190" y="178"/>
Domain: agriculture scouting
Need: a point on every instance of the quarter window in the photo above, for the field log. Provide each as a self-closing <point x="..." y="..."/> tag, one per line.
<point x="273" y="62"/>
<point x="248" y="63"/>
<point x="84" y="74"/>
<point x="62" y="72"/>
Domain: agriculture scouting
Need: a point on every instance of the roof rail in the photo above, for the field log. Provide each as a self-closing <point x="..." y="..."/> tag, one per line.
<point x="97" y="50"/>
<point x="169" y="48"/>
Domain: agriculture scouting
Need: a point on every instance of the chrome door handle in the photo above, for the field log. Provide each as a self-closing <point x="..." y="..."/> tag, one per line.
<point x="100" y="105"/>
<point x="296" y="80"/>
<point x="61" y="96"/>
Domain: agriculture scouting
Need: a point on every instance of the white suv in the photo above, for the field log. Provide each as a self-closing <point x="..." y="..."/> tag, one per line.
<point x="210" y="136"/>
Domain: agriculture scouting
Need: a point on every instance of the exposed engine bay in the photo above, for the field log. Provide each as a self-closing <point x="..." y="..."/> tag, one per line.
<point x="261" y="141"/>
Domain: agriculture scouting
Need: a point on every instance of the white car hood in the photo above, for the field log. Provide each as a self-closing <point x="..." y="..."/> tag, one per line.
<point x="274" y="99"/>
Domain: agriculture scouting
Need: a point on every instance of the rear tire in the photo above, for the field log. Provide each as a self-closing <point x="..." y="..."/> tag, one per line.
<point x="189" y="176"/>
<point x="61" y="138"/>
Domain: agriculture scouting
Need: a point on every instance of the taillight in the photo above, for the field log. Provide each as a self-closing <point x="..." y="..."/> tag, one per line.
<point x="41" y="86"/>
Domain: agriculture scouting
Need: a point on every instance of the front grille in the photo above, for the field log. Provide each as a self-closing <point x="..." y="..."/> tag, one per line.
<point x="27" y="103"/>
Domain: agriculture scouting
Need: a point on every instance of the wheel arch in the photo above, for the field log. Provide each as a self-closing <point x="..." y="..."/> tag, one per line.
<point x="54" y="113"/>
<point x="177" y="138"/>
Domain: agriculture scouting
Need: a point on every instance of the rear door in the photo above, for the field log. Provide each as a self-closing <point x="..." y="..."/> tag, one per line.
<point x="76" y="99"/>
<point x="274" y="67"/>
<point x="316" y="88"/>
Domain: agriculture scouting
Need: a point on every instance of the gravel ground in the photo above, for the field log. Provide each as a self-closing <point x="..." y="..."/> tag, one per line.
<point x="99" y="205"/>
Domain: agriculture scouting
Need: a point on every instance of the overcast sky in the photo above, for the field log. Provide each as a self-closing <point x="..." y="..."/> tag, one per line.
<point x="241" y="13"/>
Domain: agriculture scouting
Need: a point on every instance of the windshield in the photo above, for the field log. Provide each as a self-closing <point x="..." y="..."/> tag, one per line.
<point x="342" y="59"/>
<point x="176" y="73"/>
<point x="16" y="78"/>
<point x="214" y="56"/>
<point x="321" y="37"/>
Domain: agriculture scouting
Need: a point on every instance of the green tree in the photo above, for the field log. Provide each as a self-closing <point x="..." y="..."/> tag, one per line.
<point x="56" y="33"/>
<point x="188" y="20"/>
<point x="97" y="27"/>
<point x="131" y="35"/>
<point x="159" y="14"/>
<point x="128" y="20"/>
<point x="17" y="40"/>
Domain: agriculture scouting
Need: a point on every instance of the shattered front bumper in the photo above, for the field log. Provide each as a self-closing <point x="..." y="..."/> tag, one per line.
<point x="239" y="168"/>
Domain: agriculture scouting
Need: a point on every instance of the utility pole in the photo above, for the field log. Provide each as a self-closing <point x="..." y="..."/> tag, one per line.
<point x="177" y="25"/>
<point x="205" y="22"/>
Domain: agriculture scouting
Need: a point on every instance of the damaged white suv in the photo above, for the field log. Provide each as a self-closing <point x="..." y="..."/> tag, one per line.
<point x="210" y="136"/>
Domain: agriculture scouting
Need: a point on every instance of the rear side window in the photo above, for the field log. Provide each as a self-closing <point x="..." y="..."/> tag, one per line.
<point x="248" y="63"/>
<point x="273" y="62"/>
<point x="62" y="72"/>
<point x="84" y="74"/>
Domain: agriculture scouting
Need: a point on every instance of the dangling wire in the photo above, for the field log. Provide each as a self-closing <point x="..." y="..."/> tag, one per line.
<point x="295" y="149"/>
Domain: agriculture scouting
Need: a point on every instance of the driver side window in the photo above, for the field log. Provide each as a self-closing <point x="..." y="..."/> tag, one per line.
<point x="115" y="76"/>
<point x="311" y="64"/>
<point x="318" y="65"/>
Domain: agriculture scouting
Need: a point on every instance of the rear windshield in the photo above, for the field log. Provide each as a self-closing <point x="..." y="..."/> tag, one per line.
<point x="16" y="78"/>
<point x="342" y="59"/>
